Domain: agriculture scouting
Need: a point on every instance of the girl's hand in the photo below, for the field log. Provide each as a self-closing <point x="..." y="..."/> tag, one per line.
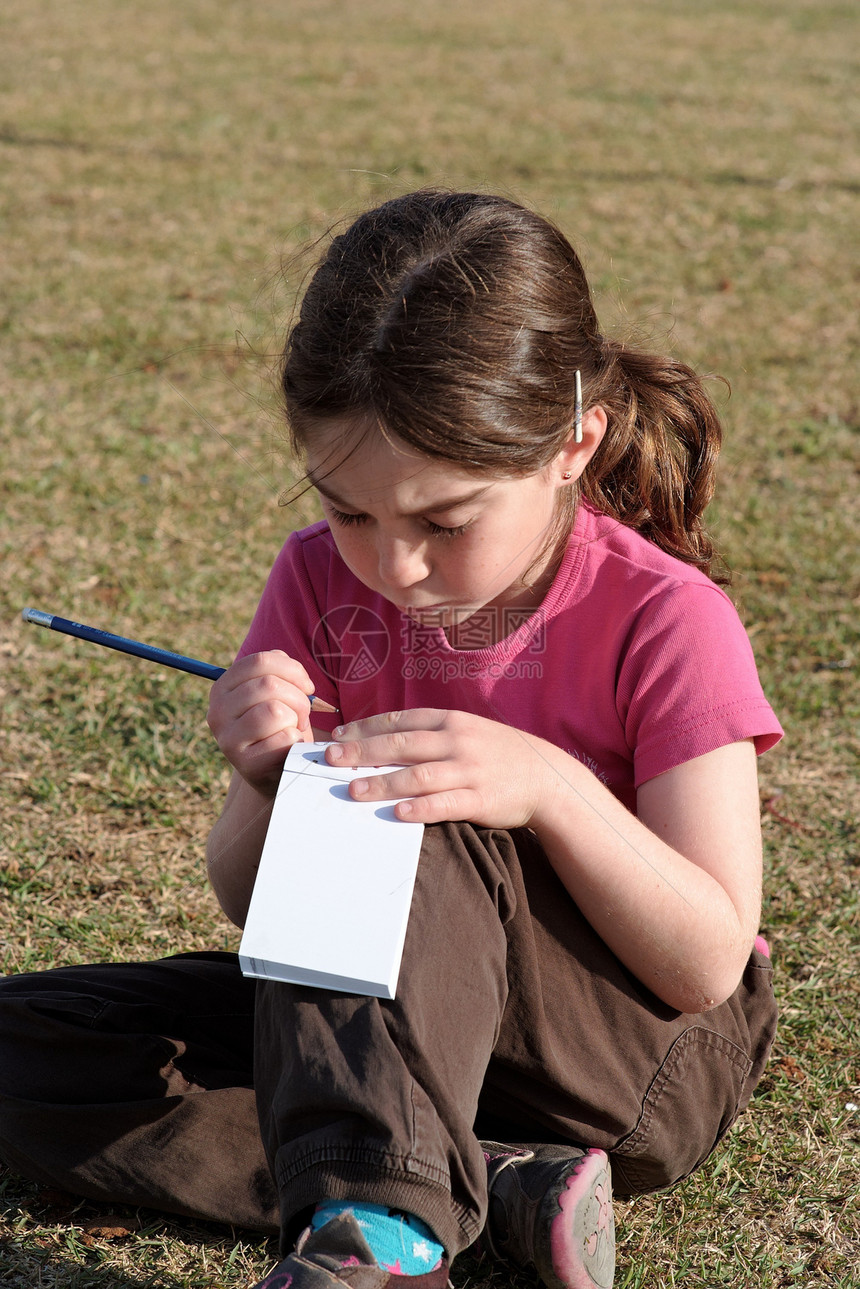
<point x="258" y="709"/>
<point x="459" y="766"/>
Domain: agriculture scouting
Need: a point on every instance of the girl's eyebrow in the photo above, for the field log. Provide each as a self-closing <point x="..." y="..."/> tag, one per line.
<point x="444" y="503"/>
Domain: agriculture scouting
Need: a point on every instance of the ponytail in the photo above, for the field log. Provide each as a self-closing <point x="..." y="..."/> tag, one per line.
<point x="655" y="468"/>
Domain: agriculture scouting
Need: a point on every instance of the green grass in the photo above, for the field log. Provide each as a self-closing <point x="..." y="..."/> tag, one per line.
<point x="162" y="167"/>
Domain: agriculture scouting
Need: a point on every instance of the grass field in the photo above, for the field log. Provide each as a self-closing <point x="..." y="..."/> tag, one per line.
<point x="162" y="166"/>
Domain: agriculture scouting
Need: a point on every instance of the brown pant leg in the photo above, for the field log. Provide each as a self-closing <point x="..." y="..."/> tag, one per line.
<point x="373" y="1100"/>
<point x="509" y="1003"/>
<point x="132" y="1083"/>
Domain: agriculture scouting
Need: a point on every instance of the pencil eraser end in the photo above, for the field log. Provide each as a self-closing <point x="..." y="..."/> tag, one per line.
<point x="36" y="615"/>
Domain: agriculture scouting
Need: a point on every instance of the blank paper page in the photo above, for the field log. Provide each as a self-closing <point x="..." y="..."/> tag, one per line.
<point x="331" y="901"/>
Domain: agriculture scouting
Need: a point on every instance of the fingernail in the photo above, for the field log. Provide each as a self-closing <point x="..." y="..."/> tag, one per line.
<point x="360" y="786"/>
<point x="334" y="753"/>
<point x="337" y="731"/>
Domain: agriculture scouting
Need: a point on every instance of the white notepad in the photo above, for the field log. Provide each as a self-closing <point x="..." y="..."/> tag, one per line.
<point x="334" y="887"/>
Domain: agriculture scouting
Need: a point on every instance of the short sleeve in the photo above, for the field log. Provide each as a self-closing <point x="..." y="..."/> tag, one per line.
<point x="288" y="617"/>
<point x="688" y="682"/>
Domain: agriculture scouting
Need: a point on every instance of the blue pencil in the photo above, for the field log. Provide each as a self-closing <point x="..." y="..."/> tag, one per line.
<point x="153" y="654"/>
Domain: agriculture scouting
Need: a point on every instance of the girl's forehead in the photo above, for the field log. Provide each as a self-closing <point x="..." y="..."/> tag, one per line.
<point x="365" y="465"/>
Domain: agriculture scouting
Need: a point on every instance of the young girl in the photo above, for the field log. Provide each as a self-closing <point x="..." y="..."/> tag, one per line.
<point x="509" y="597"/>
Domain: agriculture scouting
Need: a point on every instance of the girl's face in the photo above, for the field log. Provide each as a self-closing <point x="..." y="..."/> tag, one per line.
<point x="437" y="541"/>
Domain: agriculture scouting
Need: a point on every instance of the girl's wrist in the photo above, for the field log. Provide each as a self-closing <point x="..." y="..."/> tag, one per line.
<point x="262" y="783"/>
<point x="557" y="792"/>
<point x="266" y="789"/>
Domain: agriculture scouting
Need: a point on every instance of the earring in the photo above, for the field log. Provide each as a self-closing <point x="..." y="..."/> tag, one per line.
<point x="566" y="474"/>
<point x="577" y="409"/>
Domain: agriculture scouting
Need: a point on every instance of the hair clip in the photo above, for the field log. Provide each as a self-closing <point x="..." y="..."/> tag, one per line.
<point x="577" y="409"/>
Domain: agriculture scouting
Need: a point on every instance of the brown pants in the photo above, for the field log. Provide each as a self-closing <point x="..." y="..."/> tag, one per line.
<point x="181" y="1085"/>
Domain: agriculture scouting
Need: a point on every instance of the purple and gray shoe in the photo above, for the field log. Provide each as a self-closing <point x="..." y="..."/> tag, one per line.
<point x="550" y="1210"/>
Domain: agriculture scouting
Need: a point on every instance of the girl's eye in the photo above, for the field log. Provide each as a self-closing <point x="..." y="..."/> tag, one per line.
<point x="438" y="531"/>
<point x="347" y="520"/>
<point x="344" y="519"/>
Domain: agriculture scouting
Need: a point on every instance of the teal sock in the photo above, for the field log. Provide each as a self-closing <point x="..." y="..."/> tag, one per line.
<point x="400" y="1242"/>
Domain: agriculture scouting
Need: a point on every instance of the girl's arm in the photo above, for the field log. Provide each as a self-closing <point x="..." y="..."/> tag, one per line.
<point x="675" y="891"/>
<point x="257" y="710"/>
<point x="235" y="844"/>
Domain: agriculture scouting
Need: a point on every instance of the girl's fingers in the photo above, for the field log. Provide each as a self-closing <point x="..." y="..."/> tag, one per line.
<point x="262" y="686"/>
<point x="238" y="730"/>
<point x="445" y="765"/>
<point x="270" y="703"/>
<point x="459" y="804"/>
<point x="416" y="780"/>
<point x="394" y="738"/>
<point x="274" y="667"/>
<point x="404" y="747"/>
<point x="258" y="709"/>
<point x="416" y="718"/>
<point x="261" y="724"/>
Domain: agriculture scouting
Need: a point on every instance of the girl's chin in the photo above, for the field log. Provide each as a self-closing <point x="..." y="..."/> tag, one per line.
<point x="438" y="615"/>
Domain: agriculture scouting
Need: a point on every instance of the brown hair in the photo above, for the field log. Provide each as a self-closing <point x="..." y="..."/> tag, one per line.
<point x="456" y="323"/>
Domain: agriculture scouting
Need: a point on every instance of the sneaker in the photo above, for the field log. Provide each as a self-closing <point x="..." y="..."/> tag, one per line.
<point x="550" y="1210"/>
<point x="338" y="1254"/>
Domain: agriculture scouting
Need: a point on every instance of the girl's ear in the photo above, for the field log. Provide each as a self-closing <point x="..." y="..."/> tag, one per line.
<point x="574" y="457"/>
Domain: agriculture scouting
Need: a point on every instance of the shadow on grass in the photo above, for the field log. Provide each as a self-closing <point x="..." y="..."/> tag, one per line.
<point x="51" y="1239"/>
<point x="19" y="1268"/>
<point x="46" y="1246"/>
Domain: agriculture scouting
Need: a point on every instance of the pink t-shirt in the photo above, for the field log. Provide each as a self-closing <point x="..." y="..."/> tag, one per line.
<point x="634" y="663"/>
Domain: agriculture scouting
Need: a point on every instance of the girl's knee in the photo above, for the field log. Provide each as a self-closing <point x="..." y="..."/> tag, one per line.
<point x="695" y="1097"/>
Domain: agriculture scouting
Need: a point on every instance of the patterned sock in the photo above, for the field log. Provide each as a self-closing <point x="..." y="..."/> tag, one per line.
<point x="400" y="1242"/>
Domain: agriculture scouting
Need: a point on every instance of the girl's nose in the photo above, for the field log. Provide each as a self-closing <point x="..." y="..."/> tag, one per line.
<point x="402" y="563"/>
